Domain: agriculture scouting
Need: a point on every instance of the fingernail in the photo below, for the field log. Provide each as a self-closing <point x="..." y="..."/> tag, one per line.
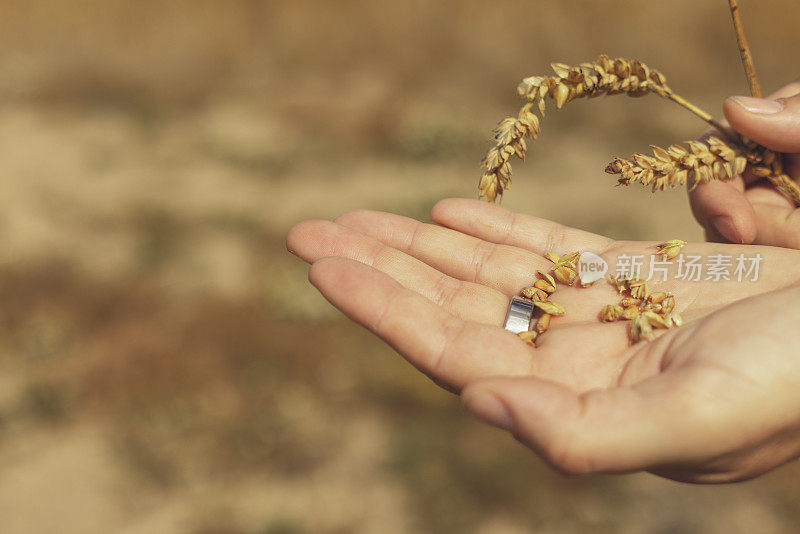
<point x="724" y="225"/>
<point x="489" y="409"/>
<point x="762" y="106"/>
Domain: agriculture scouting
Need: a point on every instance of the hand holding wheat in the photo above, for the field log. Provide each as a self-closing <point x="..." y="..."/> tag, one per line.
<point x="438" y="295"/>
<point x="722" y="157"/>
<point x="746" y="209"/>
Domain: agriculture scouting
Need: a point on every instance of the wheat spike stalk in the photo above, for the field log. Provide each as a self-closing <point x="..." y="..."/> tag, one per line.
<point x="714" y="159"/>
<point x="606" y="76"/>
<point x="677" y="165"/>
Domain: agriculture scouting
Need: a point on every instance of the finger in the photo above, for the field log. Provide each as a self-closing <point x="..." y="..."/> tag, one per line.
<point x="786" y="91"/>
<point x="772" y="122"/>
<point x="313" y="240"/>
<point x="791" y="162"/>
<point x="498" y="225"/>
<point x="613" y="430"/>
<point x="722" y="208"/>
<point x="501" y="267"/>
<point x="724" y="211"/>
<point x="712" y="236"/>
<point x="778" y="226"/>
<point x="452" y="351"/>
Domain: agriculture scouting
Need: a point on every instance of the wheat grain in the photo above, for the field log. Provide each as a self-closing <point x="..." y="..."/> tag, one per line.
<point x="657" y="298"/>
<point x="550" y="307"/>
<point x="640" y="329"/>
<point x="629" y="301"/>
<point x="630" y="312"/>
<point x="528" y="337"/>
<point x="656" y="320"/>
<point x="543" y="323"/>
<point x="611" y="313"/>
<point x="533" y="293"/>
<point x="547" y="277"/>
<point x="545" y="286"/>
<point x="670" y="249"/>
<point x="638" y="288"/>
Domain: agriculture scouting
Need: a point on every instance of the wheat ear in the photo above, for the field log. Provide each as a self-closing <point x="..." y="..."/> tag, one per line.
<point x="605" y="76"/>
<point x="677" y="165"/>
<point x="714" y="159"/>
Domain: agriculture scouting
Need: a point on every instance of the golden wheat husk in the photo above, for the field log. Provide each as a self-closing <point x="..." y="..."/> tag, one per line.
<point x="533" y="293"/>
<point x="611" y="313"/>
<point x="657" y="298"/>
<point x="640" y="329"/>
<point x="546" y="277"/>
<point x="670" y="249"/>
<point x="545" y="286"/>
<point x="629" y="301"/>
<point x="543" y="323"/>
<point x="528" y="337"/>
<point x="550" y="307"/>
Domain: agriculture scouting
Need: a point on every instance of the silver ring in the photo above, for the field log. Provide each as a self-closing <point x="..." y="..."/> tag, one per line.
<point x="518" y="318"/>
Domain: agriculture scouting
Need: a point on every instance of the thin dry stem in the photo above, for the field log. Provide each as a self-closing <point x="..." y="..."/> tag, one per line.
<point x="707" y="117"/>
<point x="771" y="168"/>
<point x="787" y="186"/>
<point x="744" y="51"/>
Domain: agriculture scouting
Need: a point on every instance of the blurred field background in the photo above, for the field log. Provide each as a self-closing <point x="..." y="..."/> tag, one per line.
<point x="164" y="365"/>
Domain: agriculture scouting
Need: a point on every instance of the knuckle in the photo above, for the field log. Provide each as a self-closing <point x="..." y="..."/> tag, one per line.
<point x="444" y="290"/>
<point x="481" y="257"/>
<point x="512" y="224"/>
<point x="302" y="231"/>
<point x="350" y="216"/>
<point x="554" y="241"/>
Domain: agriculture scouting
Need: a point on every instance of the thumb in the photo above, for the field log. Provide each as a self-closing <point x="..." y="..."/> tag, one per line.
<point x="772" y="122"/>
<point x="614" y="430"/>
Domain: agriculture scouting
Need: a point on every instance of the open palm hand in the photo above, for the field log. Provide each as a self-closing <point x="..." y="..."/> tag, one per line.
<point x="439" y="293"/>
